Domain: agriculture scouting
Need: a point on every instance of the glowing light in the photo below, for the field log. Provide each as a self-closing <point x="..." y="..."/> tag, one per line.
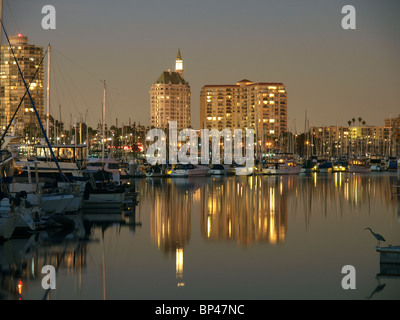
<point x="19" y="287"/>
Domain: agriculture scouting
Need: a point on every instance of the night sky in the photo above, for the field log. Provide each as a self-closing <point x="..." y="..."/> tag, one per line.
<point x="334" y="74"/>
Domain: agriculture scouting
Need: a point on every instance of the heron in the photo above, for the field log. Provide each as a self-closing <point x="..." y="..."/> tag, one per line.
<point x="376" y="235"/>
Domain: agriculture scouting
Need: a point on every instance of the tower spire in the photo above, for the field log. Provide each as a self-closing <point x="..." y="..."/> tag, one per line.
<point x="179" y="63"/>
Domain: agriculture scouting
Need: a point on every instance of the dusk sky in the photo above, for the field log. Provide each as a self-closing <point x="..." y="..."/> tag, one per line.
<point x="334" y="74"/>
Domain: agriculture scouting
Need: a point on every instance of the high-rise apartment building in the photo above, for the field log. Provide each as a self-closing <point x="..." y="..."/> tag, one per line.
<point x="170" y="98"/>
<point x="12" y="88"/>
<point x="259" y="106"/>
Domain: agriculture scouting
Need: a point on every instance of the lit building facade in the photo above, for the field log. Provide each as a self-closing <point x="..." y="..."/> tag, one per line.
<point x="344" y="140"/>
<point x="12" y="88"/>
<point x="170" y="98"/>
<point x="246" y="105"/>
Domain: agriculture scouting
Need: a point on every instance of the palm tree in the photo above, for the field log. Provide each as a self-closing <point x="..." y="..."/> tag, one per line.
<point x="359" y="121"/>
<point x="353" y="120"/>
<point x="349" y="122"/>
<point x="364" y="123"/>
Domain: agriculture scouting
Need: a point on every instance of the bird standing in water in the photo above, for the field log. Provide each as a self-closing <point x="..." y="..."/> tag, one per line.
<point x="376" y="235"/>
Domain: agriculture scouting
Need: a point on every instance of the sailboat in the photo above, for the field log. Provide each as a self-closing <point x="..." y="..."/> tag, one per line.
<point x="103" y="189"/>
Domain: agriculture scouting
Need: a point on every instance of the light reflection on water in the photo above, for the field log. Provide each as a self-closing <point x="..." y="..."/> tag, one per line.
<point x="258" y="237"/>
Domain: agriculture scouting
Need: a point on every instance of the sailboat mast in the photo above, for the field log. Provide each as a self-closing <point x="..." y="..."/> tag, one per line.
<point x="104" y="122"/>
<point x="1" y="18"/>
<point x="48" y="90"/>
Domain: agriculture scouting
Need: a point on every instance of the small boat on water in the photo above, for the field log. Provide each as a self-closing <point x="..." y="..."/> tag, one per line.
<point x="190" y="170"/>
<point x="341" y="165"/>
<point x="155" y="171"/>
<point x="222" y="170"/>
<point x="309" y="165"/>
<point x="378" y="165"/>
<point x="282" y="167"/>
<point x="325" y="167"/>
<point x="8" y="223"/>
<point x="101" y="191"/>
<point x="392" y="164"/>
<point x="359" y="166"/>
<point x="243" y="170"/>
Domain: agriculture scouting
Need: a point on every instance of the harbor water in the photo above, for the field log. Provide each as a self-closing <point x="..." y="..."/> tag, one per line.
<point x="235" y="237"/>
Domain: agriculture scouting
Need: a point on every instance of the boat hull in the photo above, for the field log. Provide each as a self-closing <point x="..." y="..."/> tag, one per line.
<point x="8" y="223"/>
<point x="244" y="171"/>
<point x="273" y="171"/>
<point x="359" y="169"/>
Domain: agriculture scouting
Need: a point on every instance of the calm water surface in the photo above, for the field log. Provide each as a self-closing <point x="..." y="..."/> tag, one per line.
<point x="260" y="237"/>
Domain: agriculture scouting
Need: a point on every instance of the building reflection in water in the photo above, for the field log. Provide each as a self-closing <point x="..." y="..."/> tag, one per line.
<point x="170" y="222"/>
<point x="246" y="209"/>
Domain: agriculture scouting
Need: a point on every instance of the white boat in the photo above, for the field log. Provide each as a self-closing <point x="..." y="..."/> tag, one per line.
<point x="378" y="165"/>
<point x="155" y="172"/>
<point x="282" y="167"/>
<point x="8" y="223"/>
<point x="114" y="166"/>
<point x="51" y="201"/>
<point x="359" y="166"/>
<point x="244" y="171"/>
<point x="190" y="170"/>
<point x="102" y="192"/>
<point x="221" y="169"/>
<point x="15" y="216"/>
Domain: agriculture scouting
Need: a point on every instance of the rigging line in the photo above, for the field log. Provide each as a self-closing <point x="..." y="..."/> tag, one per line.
<point x="70" y="80"/>
<point x="66" y="84"/>
<point x="22" y="100"/>
<point x="13" y="17"/>
<point x="80" y="67"/>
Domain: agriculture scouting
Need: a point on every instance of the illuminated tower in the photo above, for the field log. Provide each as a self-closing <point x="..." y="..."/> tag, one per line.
<point x="179" y="64"/>
<point x="170" y="98"/>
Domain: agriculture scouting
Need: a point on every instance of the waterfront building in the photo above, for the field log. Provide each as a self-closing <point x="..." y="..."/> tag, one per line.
<point x="12" y="88"/>
<point x="170" y="98"/>
<point x="394" y="125"/>
<point x="245" y="105"/>
<point x="344" y="140"/>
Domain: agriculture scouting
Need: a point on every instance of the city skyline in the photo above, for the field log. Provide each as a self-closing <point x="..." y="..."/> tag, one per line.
<point x="334" y="74"/>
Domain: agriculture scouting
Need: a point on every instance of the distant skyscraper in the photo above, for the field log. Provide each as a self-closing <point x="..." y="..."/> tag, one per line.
<point x="245" y="105"/>
<point x="170" y="98"/>
<point x="12" y="88"/>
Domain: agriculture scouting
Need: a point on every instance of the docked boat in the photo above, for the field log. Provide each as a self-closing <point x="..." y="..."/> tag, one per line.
<point x="325" y="167"/>
<point x="114" y="166"/>
<point x="282" y="167"/>
<point x="341" y="165"/>
<point x="244" y="170"/>
<point x="392" y="164"/>
<point x="8" y="221"/>
<point x="359" y="166"/>
<point x="221" y="170"/>
<point x="309" y="165"/>
<point x="378" y="165"/>
<point x="190" y="170"/>
<point x="155" y="171"/>
<point x="101" y="191"/>
<point x="16" y="214"/>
